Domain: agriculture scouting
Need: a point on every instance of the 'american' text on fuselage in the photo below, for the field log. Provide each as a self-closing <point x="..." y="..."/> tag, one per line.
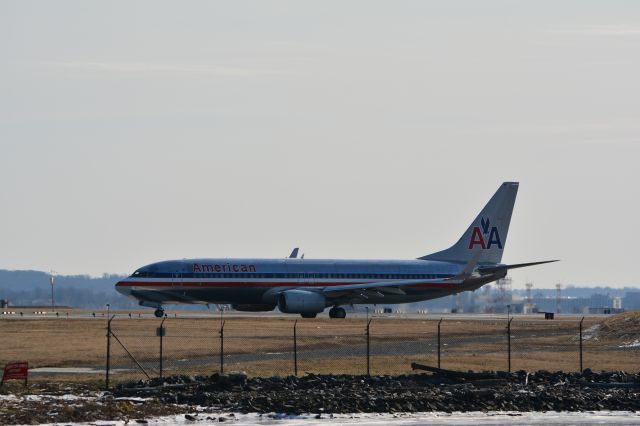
<point x="201" y="267"/>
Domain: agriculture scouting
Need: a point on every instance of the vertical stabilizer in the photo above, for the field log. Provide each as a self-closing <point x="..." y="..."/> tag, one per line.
<point x="487" y="233"/>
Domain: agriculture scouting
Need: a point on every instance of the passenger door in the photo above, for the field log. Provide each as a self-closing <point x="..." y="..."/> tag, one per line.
<point x="176" y="279"/>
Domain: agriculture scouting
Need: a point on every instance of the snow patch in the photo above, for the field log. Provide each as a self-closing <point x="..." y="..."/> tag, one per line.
<point x="377" y="419"/>
<point x="33" y="398"/>
<point x="133" y="399"/>
<point x="591" y="333"/>
<point x="9" y="397"/>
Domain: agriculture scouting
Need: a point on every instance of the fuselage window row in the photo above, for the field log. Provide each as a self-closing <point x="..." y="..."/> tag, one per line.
<point x="300" y="276"/>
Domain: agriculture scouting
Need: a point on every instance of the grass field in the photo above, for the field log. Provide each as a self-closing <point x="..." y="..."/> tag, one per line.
<point x="264" y="345"/>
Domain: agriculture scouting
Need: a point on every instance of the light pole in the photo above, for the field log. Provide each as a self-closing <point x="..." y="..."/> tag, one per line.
<point x="51" y="281"/>
<point x="108" y="309"/>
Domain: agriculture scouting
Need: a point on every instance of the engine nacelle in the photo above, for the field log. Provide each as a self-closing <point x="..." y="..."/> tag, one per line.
<point x="301" y="302"/>
<point x="254" y="308"/>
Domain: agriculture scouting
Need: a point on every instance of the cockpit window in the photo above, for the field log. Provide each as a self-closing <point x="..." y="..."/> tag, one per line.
<point x="136" y="273"/>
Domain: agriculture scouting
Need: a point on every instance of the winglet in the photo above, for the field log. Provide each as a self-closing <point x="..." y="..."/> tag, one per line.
<point x="294" y="253"/>
<point x="469" y="267"/>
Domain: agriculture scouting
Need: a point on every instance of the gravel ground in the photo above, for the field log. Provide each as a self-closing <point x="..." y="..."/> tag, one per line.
<point x="521" y="391"/>
<point x="72" y="403"/>
<point x="319" y="395"/>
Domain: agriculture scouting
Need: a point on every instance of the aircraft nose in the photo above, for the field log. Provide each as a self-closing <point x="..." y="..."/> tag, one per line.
<point x="123" y="288"/>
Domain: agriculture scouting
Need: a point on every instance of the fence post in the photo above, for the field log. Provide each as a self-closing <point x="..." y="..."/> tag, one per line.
<point x="108" y="366"/>
<point x="368" y="348"/>
<point x="509" y="343"/>
<point x="581" y="370"/>
<point x="439" y="322"/>
<point x="161" y="334"/>
<point x="222" y="347"/>
<point x="295" y="349"/>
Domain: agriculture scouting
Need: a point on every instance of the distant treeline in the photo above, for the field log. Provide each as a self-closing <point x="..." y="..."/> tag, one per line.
<point x="78" y="291"/>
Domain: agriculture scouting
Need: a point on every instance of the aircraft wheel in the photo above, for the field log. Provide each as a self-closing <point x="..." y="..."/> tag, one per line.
<point x="308" y="315"/>
<point x="159" y="313"/>
<point x="337" y="312"/>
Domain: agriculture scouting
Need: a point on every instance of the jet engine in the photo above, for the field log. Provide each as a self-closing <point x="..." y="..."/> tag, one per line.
<point x="301" y="302"/>
<point x="253" y="308"/>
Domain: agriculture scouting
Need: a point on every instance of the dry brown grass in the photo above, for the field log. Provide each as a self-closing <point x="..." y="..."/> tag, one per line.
<point x="263" y="345"/>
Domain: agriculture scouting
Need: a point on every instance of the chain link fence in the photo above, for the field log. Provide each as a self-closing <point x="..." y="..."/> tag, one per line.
<point x="290" y="347"/>
<point x="139" y="347"/>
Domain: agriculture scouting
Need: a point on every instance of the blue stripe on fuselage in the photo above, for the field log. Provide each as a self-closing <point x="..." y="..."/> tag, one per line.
<point x="300" y="269"/>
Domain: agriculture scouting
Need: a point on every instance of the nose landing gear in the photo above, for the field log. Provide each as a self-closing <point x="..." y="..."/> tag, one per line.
<point x="337" y="312"/>
<point x="159" y="313"/>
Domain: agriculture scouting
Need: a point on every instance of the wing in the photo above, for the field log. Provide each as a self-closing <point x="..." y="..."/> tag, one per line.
<point x="396" y="287"/>
<point x="383" y="287"/>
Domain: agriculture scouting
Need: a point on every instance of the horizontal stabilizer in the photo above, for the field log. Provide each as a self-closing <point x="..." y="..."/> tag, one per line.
<point x="498" y="268"/>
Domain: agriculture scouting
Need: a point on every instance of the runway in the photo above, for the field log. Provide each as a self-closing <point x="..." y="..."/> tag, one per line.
<point x="148" y="315"/>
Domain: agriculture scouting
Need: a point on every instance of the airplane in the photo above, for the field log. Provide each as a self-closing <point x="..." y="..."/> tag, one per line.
<point x="308" y="286"/>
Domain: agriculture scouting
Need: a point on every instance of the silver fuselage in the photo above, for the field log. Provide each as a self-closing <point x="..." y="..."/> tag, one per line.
<point x="259" y="281"/>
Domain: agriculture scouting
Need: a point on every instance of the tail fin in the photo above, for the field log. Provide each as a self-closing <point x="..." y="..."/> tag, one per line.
<point x="487" y="233"/>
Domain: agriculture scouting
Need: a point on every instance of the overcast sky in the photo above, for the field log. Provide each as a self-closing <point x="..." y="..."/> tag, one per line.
<point x="132" y="132"/>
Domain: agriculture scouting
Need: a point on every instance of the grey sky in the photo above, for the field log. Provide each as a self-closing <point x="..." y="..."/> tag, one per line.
<point x="132" y="132"/>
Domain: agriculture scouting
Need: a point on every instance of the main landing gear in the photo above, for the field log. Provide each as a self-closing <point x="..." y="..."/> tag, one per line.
<point x="337" y="312"/>
<point x="159" y="313"/>
<point x="309" y="315"/>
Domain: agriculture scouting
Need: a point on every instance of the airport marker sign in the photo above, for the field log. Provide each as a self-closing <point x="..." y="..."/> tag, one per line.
<point x="15" y="371"/>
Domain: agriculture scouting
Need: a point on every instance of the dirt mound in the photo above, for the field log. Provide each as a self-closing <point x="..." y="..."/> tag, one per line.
<point x="624" y="327"/>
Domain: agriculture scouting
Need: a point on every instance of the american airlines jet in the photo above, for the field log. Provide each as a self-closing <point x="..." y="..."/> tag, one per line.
<point x="308" y="286"/>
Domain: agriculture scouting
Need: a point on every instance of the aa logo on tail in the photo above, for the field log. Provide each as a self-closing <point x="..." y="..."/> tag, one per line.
<point x="486" y="236"/>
